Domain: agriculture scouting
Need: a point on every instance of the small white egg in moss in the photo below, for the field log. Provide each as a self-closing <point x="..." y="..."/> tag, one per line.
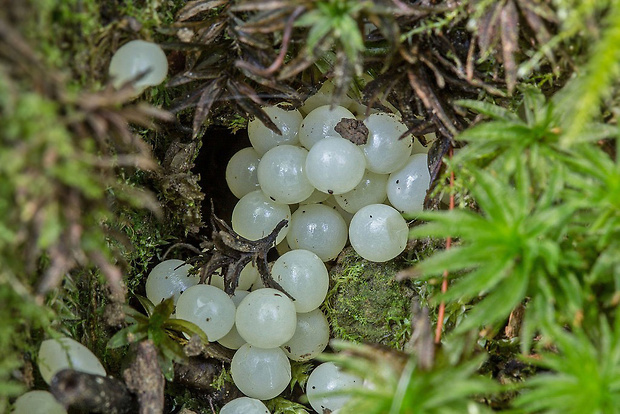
<point x="320" y="124"/>
<point x="325" y="387"/>
<point x="406" y="187"/>
<point x="371" y="190"/>
<point x="318" y="228"/>
<point x="260" y="373"/>
<point x="209" y="308"/>
<point x="263" y="139"/>
<point x="266" y="318"/>
<point x="232" y="340"/>
<point x="302" y="275"/>
<point x="241" y="172"/>
<point x="58" y="354"/>
<point x="135" y="58"/>
<point x="169" y="278"/>
<point x="37" y="402"/>
<point x="255" y="216"/>
<point x="311" y="336"/>
<point x="281" y="174"/>
<point x="384" y="151"/>
<point x="378" y="233"/>
<point x="244" y="405"/>
<point x="335" y="165"/>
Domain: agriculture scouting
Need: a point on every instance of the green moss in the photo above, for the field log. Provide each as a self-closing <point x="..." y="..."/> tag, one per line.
<point x="366" y="304"/>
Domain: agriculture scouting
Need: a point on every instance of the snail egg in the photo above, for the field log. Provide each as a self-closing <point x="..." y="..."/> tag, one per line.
<point x="407" y="187"/>
<point x="266" y="318"/>
<point x="58" y="354"/>
<point x="260" y="373"/>
<point x="169" y="279"/>
<point x="241" y="172"/>
<point x="320" y="123"/>
<point x="378" y="233"/>
<point x="315" y="198"/>
<point x="325" y="386"/>
<point x="209" y="308"/>
<point x="255" y="216"/>
<point x="263" y="139"/>
<point x="135" y="58"/>
<point x="232" y="340"/>
<point x="37" y="402"/>
<point x="384" y="151"/>
<point x="335" y="165"/>
<point x="281" y="174"/>
<point x="302" y="275"/>
<point x="244" y="405"/>
<point x="311" y="336"/>
<point x="371" y="190"/>
<point x="318" y="228"/>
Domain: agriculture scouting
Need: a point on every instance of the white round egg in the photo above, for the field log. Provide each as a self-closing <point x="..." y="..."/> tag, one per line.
<point x="241" y="172"/>
<point x="137" y="57"/>
<point x="311" y="336"/>
<point x="263" y="139"/>
<point x="378" y="233"/>
<point x="209" y="308"/>
<point x="315" y="198"/>
<point x="318" y="228"/>
<point x="168" y="279"/>
<point x="407" y="186"/>
<point x="302" y="275"/>
<point x="244" y="405"/>
<point x="371" y="190"/>
<point x="384" y="151"/>
<point x="320" y="123"/>
<point x="325" y="386"/>
<point x="266" y="318"/>
<point x="281" y="174"/>
<point x="37" y="402"/>
<point x="260" y="373"/>
<point x="58" y="354"/>
<point x="335" y="165"/>
<point x="255" y="216"/>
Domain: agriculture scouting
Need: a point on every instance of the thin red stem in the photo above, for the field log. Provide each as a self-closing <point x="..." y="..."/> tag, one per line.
<point x="444" y="283"/>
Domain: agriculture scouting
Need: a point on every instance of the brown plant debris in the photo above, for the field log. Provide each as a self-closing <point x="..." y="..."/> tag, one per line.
<point x="352" y="129"/>
<point x="145" y="379"/>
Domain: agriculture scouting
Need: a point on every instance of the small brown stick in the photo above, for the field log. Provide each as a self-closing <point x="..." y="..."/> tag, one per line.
<point x="145" y="379"/>
<point x="444" y="283"/>
<point x="91" y="393"/>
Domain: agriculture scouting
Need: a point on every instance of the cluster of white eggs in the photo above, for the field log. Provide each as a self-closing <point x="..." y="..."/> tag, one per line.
<point x="327" y="187"/>
<point x="265" y="326"/>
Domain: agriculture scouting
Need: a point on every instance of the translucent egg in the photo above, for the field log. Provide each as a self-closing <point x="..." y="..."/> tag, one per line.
<point x="331" y="203"/>
<point x="318" y="228"/>
<point x="37" y="402"/>
<point x="244" y="405"/>
<point x="255" y="216"/>
<point x="169" y="279"/>
<point x="407" y="187"/>
<point x="241" y="172"/>
<point x="263" y="139"/>
<point x="137" y="57"/>
<point x="247" y="277"/>
<point x="281" y="174"/>
<point x="335" y="165"/>
<point x="371" y="190"/>
<point x="266" y="318"/>
<point x="260" y="373"/>
<point x="378" y="233"/>
<point x="320" y="124"/>
<point x="315" y="198"/>
<point x="209" y="308"/>
<point x="325" y="385"/>
<point x="232" y="340"/>
<point x="384" y="152"/>
<point x="58" y="354"/>
<point x="302" y="275"/>
<point x="311" y="336"/>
